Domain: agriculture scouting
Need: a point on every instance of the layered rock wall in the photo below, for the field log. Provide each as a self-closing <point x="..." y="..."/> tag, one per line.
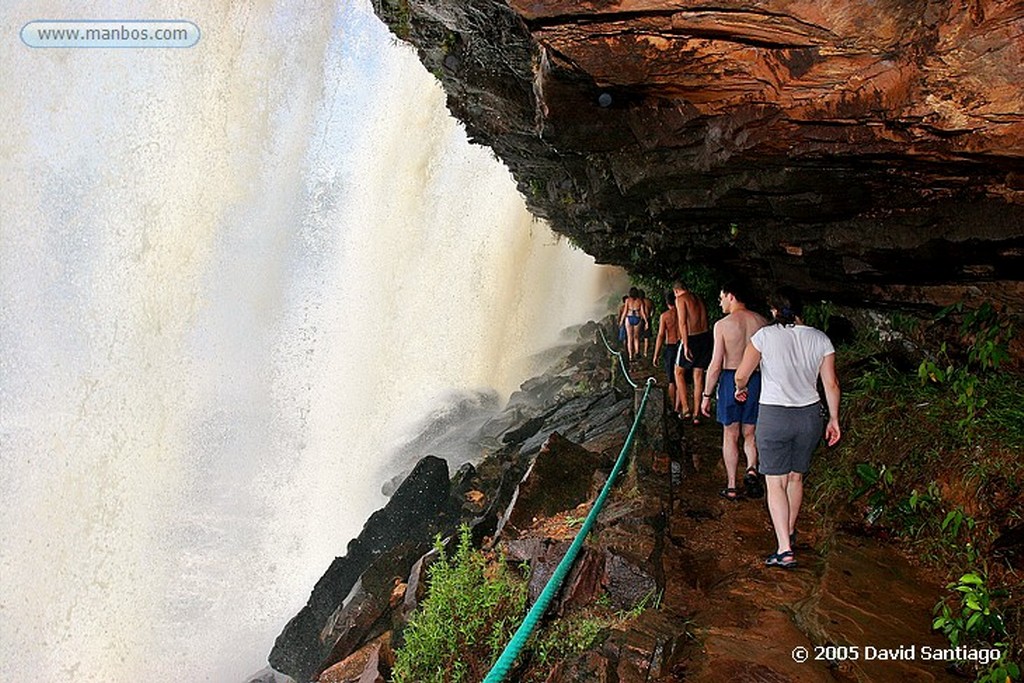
<point x="869" y="152"/>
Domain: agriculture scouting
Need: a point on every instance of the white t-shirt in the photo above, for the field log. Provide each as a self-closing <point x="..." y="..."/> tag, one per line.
<point x="791" y="356"/>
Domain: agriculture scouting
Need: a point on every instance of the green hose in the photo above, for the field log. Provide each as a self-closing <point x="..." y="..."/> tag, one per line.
<point x="622" y="363"/>
<point x="515" y="646"/>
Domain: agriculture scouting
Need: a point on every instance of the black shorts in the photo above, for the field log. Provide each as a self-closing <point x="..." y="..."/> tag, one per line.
<point x="668" y="361"/>
<point x="701" y="346"/>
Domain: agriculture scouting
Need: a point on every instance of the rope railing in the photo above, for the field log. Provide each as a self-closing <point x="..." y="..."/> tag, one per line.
<point x="519" y="639"/>
<point x="622" y="363"/>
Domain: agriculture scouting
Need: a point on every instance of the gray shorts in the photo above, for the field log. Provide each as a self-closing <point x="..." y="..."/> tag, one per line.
<point x="786" y="437"/>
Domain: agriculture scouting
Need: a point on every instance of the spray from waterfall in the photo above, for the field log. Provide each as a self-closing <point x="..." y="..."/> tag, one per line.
<point x="231" y="277"/>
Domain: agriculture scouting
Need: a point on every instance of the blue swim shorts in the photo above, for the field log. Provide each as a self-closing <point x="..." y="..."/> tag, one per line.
<point x="729" y="409"/>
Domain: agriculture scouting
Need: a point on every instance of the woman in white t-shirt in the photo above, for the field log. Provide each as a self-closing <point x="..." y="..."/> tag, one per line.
<point x="789" y="426"/>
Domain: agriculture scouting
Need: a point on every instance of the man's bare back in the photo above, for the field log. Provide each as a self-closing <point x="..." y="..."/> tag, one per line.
<point x="732" y="334"/>
<point x="735" y="331"/>
<point x="670" y="323"/>
<point x="693" y="315"/>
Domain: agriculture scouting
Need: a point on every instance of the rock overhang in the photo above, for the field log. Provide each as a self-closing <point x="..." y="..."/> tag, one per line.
<point x="868" y="153"/>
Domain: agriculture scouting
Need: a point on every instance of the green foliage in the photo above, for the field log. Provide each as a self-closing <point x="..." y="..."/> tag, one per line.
<point x="954" y="520"/>
<point x="451" y="39"/>
<point x="702" y="280"/>
<point x="467" y="619"/>
<point x="573" y="635"/>
<point x="955" y="418"/>
<point x="1001" y="672"/>
<point x="650" y="601"/>
<point x="975" y="620"/>
<point x="985" y="337"/>
<point x="571" y="521"/>
<point x="818" y="313"/>
<point x="471" y="613"/>
<point x="1004" y="412"/>
<point x="403" y="20"/>
<point x="919" y="516"/>
<point x="566" y="638"/>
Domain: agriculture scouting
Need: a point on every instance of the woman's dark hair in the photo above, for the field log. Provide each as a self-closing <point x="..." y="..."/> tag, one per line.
<point x="670" y="298"/>
<point x="634" y="293"/>
<point x="788" y="306"/>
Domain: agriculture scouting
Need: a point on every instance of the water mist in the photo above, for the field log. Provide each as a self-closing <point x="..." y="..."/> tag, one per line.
<point x="231" y="278"/>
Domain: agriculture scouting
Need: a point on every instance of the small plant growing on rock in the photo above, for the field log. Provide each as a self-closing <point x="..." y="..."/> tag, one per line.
<point x="461" y="627"/>
<point x="977" y="621"/>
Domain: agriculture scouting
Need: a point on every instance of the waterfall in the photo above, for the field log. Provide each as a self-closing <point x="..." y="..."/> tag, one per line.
<point x="231" y="278"/>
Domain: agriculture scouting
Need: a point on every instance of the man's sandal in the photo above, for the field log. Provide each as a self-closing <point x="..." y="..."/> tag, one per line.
<point x="730" y="494"/>
<point x="784" y="560"/>
<point x="752" y="484"/>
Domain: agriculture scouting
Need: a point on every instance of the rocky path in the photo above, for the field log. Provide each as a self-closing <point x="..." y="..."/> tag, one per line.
<point x="749" y="622"/>
<point x="855" y="608"/>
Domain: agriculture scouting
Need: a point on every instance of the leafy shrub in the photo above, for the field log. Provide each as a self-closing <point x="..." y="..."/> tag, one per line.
<point x="977" y="620"/>
<point x="462" y="626"/>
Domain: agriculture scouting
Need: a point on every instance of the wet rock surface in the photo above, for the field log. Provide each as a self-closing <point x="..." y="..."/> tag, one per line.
<point x="420" y="508"/>
<point x="686" y="565"/>
<point x="722" y="614"/>
<point x="749" y="619"/>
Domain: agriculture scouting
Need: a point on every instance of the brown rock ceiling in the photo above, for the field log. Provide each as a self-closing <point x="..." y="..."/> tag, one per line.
<point x="867" y="151"/>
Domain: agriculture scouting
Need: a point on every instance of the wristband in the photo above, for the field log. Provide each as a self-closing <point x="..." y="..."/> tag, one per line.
<point x="707" y="395"/>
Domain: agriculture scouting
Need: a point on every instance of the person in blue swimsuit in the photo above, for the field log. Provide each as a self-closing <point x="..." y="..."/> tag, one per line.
<point x="633" y="315"/>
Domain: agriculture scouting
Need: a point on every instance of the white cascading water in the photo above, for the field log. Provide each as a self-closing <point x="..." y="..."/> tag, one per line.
<point x="231" y="278"/>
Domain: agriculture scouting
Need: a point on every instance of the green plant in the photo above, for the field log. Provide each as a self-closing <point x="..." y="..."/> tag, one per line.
<point x="403" y="20"/>
<point x="879" y="482"/>
<point x="1002" y="671"/>
<point x="571" y="521"/>
<point x="975" y="619"/>
<point x="985" y="336"/>
<point x="817" y="314"/>
<point x="567" y="637"/>
<point x="955" y="519"/>
<point x="469" y="615"/>
<point x="651" y="600"/>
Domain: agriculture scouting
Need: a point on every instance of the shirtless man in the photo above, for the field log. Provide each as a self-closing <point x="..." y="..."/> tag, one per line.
<point x="695" y="347"/>
<point x="668" y="335"/>
<point x="731" y="335"/>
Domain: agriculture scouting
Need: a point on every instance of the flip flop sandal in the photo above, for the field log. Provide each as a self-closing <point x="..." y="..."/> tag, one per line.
<point x="730" y="494"/>
<point x="784" y="560"/>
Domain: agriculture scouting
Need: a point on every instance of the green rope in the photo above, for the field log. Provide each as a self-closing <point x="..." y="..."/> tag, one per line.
<point x="622" y="363"/>
<point x="515" y="646"/>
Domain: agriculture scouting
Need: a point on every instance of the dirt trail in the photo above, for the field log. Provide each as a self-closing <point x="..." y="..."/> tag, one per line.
<point x="749" y="619"/>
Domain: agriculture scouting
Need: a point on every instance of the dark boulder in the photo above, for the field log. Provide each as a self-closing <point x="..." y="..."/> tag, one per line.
<point x="419" y="509"/>
<point x="560" y="478"/>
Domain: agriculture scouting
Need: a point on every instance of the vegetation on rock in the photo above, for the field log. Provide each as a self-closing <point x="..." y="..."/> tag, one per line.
<point x="931" y="458"/>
